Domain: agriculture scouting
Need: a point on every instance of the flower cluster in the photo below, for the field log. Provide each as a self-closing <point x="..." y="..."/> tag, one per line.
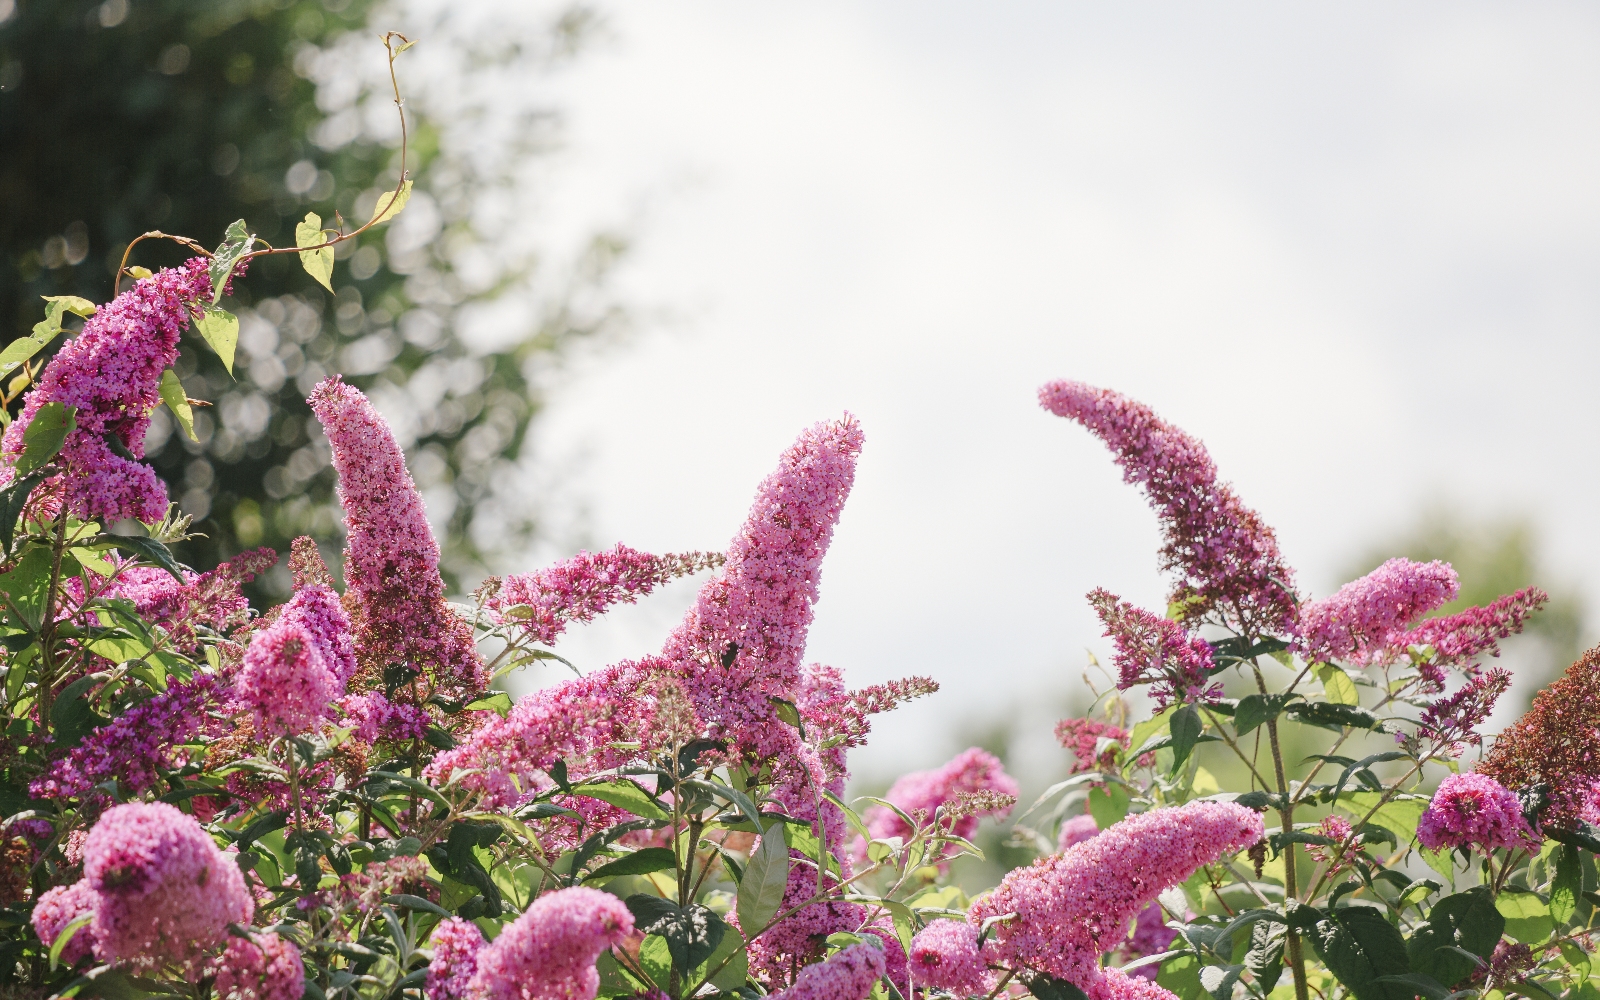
<point x="261" y="967"/>
<point x="548" y="953"/>
<point x="1226" y="557"/>
<point x="1156" y="651"/>
<point x="1359" y="622"/>
<point x="924" y="793"/>
<point x="848" y="975"/>
<point x="1453" y="721"/>
<point x="1084" y="738"/>
<point x="1474" y="809"/>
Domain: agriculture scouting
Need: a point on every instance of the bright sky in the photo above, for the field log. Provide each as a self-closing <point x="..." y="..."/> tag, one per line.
<point x="1352" y="247"/>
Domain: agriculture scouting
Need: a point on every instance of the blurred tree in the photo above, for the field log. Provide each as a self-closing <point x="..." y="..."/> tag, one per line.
<point x="1494" y="557"/>
<point x="126" y="115"/>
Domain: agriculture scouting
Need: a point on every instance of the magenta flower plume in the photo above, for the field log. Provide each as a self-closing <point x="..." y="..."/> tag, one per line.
<point x="549" y="952"/>
<point x="165" y="892"/>
<point x="285" y="681"/>
<point x="1226" y="557"/>
<point x="544" y="603"/>
<point x="1474" y="809"/>
<point x="375" y="717"/>
<point x="59" y="907"/>
<point x="925" y="792"/>
<point x="1454" y="721"/>
<point x="137" y="744"/>
<point x="111" y="373"/>
<point x="1075" y="830"/>
<point x="1151" y="936"/>
<point x="455" y="944"/>
<point x="1071" y="907"/>
<point x="1083" y="737"/>
<point x="945" y="956"/>
<point x="800" y="938"/>
<point x="1460" y="638"/>
<point x="1358" y="621"/>
<point x="391" y="558"/>
<point x="847" y="975"/>
<point x="1156" y="651"/>
<point x="1114" y="984"/>
<point x="266" y="967"/>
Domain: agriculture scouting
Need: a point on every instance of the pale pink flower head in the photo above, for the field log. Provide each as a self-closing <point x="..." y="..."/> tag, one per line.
<point x="945" y="956"/>
<point x="111" y="373"/>
<point x="543" y="603"/>
<point x="549" y="952"/>
<point x="846" y="975"/>
<point x="266" y="967"/>
<point x="1073" y="906"/>
<point x="166" y="893"/>
<point x="1075" y="830"/>
<point x="285" y="680"/>
<point x="391" y="557"/>
<point x="59" y="907"/>
<point x="1474" y="810"/>
<point x="1114" y="984"/>
<point x="924" y="792"/>
<point x="1357" y="623"/>
<point x="455" y="943"/>
<point x="1156" y="651"/>
<point x="1226" y="558"/>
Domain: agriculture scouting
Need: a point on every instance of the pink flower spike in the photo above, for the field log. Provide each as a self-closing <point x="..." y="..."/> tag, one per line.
<point x="59" y="907"/>
<point x="543" y="603"/>
<point x="1226" y="558"/>
<point x="549" y="952"/>
<point x="848" y="975"/>
<point x="1073" y="906"/>
<point x="165" y="892"/>
<point x="1156" y="651"/>
<point x="1459" y="638"/>
<point x="266" y="967"/>
<point x="1356" y="624"/>
<point x="391" y="558"/>
<point x="285" y="681"/>
<point x="925" y="792"/>
<point x="1474" y="810"/>
<point x="1075" y="830"/>
<point x="945" y="956"/>
<point x="455" y="943"/>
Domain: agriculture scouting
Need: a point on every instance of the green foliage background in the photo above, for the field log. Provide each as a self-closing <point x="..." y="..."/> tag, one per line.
<point x="118" y="117"/>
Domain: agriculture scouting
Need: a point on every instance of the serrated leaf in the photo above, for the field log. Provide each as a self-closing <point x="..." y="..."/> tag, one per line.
<point x="765" y="878"/>
<point x="178" y="402"/>
<point x="1337" y="718"/>
<point x="1566" y="885"/>
<point x="390" y="203"/>
<point x="236" y="243"/>
<point x="624" y="795"/>
<point x="1257" y="710"/>
<point x="220" y="328"/>
<point x="73" y="304"/>
<point x="1527" y="916"/>
<point x="45" y="435"/>
<point x="149" y="549"/>
<point x="319" y="262"/>
<point x="1423" y="986"/>
<point x="1465" y="920"/>
<point x="1360" y="947"/>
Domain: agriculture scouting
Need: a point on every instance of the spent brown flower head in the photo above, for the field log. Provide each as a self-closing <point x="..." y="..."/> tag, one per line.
<point x="1557" y="743"/>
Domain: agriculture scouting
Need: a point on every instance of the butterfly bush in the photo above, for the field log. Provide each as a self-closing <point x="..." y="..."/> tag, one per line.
<point x="338" y="797"/>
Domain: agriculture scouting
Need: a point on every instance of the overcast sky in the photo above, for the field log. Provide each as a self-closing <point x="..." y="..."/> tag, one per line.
<point x="1353" y="247"/>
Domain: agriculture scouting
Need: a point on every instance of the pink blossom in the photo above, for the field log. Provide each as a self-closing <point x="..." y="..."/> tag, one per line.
<point x="847" y="975"/>
<point x="945" y="956"/>
<point x="1075" y="830"/>
<point x="455" y="944"/>
<point x="1459" y="638"/>
<point x="285" y="681"/>
<point x="1071" y="907"/>
<point x="166" y="893"/>
<point x="1357" y="622"/>
<point x="316" y="607"/>
<point x="1083" y="736"/>
<point x="1156" y="651"/>
<point x="59" y="907"/>
<point x="1474" y="809"/>
<point x="925" y="792"/>
<point x="549" y="952"/>
<point x="799" y="938"/>
<point x="375" y="717"/>
<point x="543" y="603"/>
<point x="1114" y="984"/>
<point x="136" y="744"/>
<point x="1226" y="558"/>
<point x="111" y="373"/>
<point x="1453" y="722"/>
<point x="266" y="967"/>
<point x="391" y="558"/>
<point x="213" y="599"/>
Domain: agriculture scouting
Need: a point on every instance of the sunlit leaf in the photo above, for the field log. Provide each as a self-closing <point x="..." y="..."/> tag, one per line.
<point x="390" y="203"/>
<point x="319" y="262"/>
<point x="178" y="402"/>
<point x="45" y="435"/>
<point x="624" y="795"/>
<point x="236" y="243"/>
<point x="73" y="304"/>
<point x="220" y="328"/>
<point x="765" y="878"/>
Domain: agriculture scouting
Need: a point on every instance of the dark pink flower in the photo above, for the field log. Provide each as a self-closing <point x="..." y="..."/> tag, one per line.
<point x="549" y="952"/>
<point x="1156" y="651"/>
<point x="266" y="967"/>
<point x="926" y="792"/>
<point x="847" y="975"/>
<point x="542" y="604"/>
<point x="455" y="943"/>
<point x="59" y="907"/>
<point x="1357" y="623"/>
<point x="1474" y="810"/>
<point x="945" y="956"/>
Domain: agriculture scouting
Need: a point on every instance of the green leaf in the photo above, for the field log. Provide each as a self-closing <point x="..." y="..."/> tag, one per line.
<point x="1337" y="685"/>
<point x="498" y="702"/>
<point x="1149" y="729"/>
<point x="1108" y="805"/>
<point x="235" y="244"/>
<point x="73" y="304"/>
<point x="642" y="862"/>
<point x="46" y="433"/>
<point x="1181" y="975"/>
<point x="1218" y="980"/>
<point x="120" y="649"/>
<point x="1360" y="947"/>
<point x="317" y="263"/>
<point x="1566" y="885"/>
<point x="1186" y="729"/>
<point x="692" y="932"/>
<point x="1327" y="715"/>
<point x="64" y="937"/>
<point x="624" y="795"/>
<point x="411" y="902"/>
<point x="22" y="349"/>
<point x="1265" y="957"/>
<point x="1047" y="987"/>
<point x="655" y="957"/>
<point x="1527" y="916"/>
<point x="1257" y="710"/>
<point x="27" y="585"/>
<point x="12" y="499"/>
<point x="178" y="402"/>
<point x="789" y="713"/>
<point x="765" y="878"/>
<point x="1398" y="814"/>
<point x="149" y="549"/>
<point x="390" y="203"/>
<point x="1466" y="920"/>
<point x="220" y="328"/>
<point x="1424" y="986"/>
